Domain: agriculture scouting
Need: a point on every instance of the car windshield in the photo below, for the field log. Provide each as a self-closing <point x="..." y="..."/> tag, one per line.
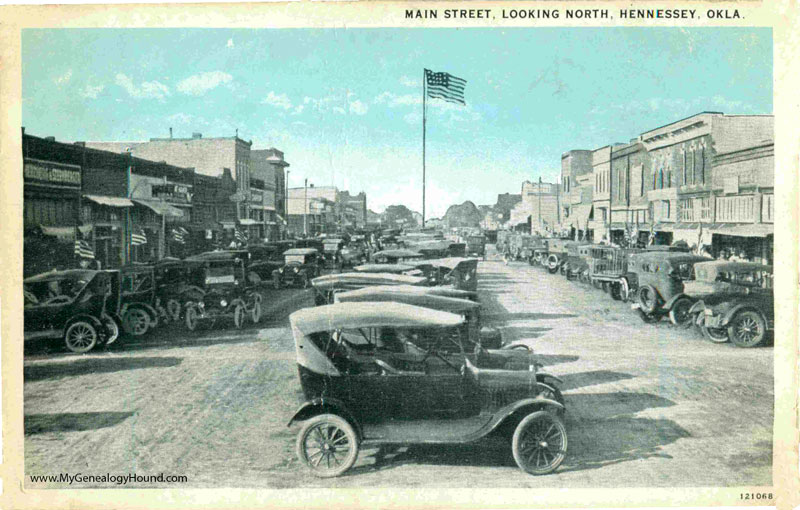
<point x="683" y="270"/>
<point x="747" y="278"/>
<point x="57" y="290"/>
<point x="295" y="259"/>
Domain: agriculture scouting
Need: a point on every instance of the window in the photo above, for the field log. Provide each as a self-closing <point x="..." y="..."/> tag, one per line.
<point x="641" y="181"/>
<point x="735" y="209"/>
<point x="705" y="208"/>
<point x="683" y="154"/>
<point x="768" y="208"/>
<point x="701" y="174"/>
<point x="687" y="209"/>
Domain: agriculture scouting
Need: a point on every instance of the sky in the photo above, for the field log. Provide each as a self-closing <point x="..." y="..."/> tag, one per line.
<point x="345" y="105"/>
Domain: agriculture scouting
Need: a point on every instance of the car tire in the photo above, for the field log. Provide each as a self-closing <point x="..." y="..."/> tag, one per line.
<point x="255" y="313"/>
<point x="80" y="337"/>
<point x="747" y="329"/>
<point x="112" y="329"/>
<point x="648" y="298"/>
<point x="238" y="316"/>
<point x="715" y="335"/>
<point x="540" y="435"/>
<point x="191" y="319"/>
<point x="679" y="313"/>
<point x="327" y="445"/>
<point x="276" y="282"/>
<point x="174" y="309"/>
<point x="136" y="321"/>
<point x="624" y="289"/>
<point x="552" y="264"/>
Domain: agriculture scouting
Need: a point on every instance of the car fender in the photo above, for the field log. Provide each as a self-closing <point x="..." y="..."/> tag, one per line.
<point x="517" y="410"/>
<point x="82" y="317"/>
<point x="698" y="307"/>
<point x="545" y="377"/>
<point x="674" y="299"/>
<point x="728" y="316"/>
<point x="322" y="405"/>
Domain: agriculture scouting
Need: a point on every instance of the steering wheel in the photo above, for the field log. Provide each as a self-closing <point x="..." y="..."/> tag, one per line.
<point x="387" y="368"/>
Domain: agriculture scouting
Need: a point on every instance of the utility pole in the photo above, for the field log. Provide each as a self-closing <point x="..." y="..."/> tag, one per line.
<point x="305" y="208"/>
<point x="286" y="202"/>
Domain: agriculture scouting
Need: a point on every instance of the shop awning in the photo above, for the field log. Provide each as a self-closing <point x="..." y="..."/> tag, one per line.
<point x="160" y="207"/>
<point x="248" y="221"/>
<point x="228" y="224"/>
<point x="65" y="233"/>
<point x="746" y="230"/>
<point x="110" y="201"/>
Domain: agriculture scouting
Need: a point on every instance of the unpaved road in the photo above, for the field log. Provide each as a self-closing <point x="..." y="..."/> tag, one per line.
<point x="648" y="405"/>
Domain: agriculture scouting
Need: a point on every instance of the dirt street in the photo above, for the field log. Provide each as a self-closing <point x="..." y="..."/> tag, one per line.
<point x="648" y="405"/>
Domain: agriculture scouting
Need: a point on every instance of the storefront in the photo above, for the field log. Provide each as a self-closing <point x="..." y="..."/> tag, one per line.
<point x="109" y="219"/>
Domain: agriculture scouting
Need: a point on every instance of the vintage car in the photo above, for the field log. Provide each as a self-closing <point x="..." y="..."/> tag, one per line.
<point x="139" y="308"/>
<point x="226" y="292"/>
<point x="361" y="389"/>
<point x="355" y="252"/>
<point x="539" y="251"/>
<point x="608" y="269"/>
<point x="301" y="265"/>
<point x="577" y="264"/>
<point x="476" y="246"/>
<point x="331" y="251"/>
<point x="461" y="273"/>
<point x="735" y="301"/>
<point x="326" y="286"/>
<point x="394" y="256"/>
<point x="266" y="258"/>
<point x="659" y="277"/>
<point x="557" y="250"/>
<point x="76" y="305"/>
<point x="173" y="289"/>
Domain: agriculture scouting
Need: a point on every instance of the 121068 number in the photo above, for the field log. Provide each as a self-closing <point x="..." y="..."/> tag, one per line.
<point x="755" y="495"/>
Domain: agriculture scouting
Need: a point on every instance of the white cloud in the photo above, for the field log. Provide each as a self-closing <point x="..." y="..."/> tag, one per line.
<point x="278" y="100"/>
<point x="230" y="43"/>
<point x="64" y="78"/>
<point x="358" y="107"/>
<point x="298" y="109"/>
<point x="339" y="110"/>
<point x="199" y="84"/>
<point x="393" y="100"/>
<point x="410" y="82"/>
<point x="146" y="90"/>
<point x="92" y="91"/>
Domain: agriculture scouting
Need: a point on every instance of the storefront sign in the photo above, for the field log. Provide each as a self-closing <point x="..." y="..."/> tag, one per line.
<point x="52" y="173"/>
<point x="176" y="193"/>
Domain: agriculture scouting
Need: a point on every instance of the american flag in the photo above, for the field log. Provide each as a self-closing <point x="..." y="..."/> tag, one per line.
<point x="179" y="235"/>
<point x="240" y="235"/>
<point x="138" y="237"/>
<point x="445" y="86"/>
<point x="83" y="249"/>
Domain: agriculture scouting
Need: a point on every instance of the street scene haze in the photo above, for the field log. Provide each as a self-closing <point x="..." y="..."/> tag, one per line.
<point x="398" y="258"/>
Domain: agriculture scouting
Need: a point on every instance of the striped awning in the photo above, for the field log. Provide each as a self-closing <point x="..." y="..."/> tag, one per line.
<point x="110" y="201"/>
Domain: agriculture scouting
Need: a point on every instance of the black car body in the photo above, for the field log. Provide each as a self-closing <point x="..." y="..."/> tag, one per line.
<point x="78" y="306"/>
<point x="735" y="301"/>
<point x="226" y="292"/>
<point x="361" y="389"/>
<point x="301" y="265"/>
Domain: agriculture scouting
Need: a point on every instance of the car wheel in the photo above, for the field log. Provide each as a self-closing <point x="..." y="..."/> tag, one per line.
<point x="136" y="321"/>
<point x="747" y="329"/>
<point x="112" y="329"/>
<point x="276" y="282"/>
<point x="255" y="314"/>
<point x="624" y="290"/>
<point x="327" y="445"/>
<point x="552" y="264"/>
<point x="649" y="318"/>
<point x="615" y="291"/>
<point x="238" y="316"/>
<point x="648" y="298"/>
<point x="716" y="335"/>
<point x="174" y="309"/>
<point x="539" y="444"/>
<point x="679" y="313"/>
<point x="80" y="337"/>
<point x="191" y="320"/>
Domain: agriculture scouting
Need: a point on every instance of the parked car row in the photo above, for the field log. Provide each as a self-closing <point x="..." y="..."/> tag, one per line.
<point x="727" y="301"/>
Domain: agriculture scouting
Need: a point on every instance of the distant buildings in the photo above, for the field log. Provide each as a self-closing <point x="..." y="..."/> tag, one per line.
<point x="323" y="209"/>
<point x="538" y="207"/>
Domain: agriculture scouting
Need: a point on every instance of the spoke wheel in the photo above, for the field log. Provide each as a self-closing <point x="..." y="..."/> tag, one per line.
<point x="80" y="337"/>
<point x="747" y="329"/>
<point x="136" y="322"/>
<point x="174" y="309"/>
<point x="327" y="445"/>
<point x="648" y="299"/>
<point x="238" y="316"/>
<point x="679" y="313"/>
<point x="716" y="335"/>
<point x="191" y="318"/>
<point x="540" y="443"/>
<point x="256" y="313"/>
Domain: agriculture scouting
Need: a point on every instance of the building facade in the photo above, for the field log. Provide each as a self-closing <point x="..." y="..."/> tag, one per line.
<point x="539" y="206"/>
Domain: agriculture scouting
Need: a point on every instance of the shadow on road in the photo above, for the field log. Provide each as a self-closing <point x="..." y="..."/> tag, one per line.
<point x="555" y="359"/>
<point x="583" y="379"/>
<point x="517" y="333"/>
<point x="71" y="422"/>
<point x="502" y="317"/>
<point x="79" y="367"/>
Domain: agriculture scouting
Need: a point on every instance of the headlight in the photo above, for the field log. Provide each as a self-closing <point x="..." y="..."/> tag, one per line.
<point x="296" y="270"/>
<point x="223" y="303"/>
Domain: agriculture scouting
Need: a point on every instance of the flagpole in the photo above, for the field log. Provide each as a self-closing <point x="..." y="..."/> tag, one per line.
<point x="424" y="116"/>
